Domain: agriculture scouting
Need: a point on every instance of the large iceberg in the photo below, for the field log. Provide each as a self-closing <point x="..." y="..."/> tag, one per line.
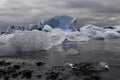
<point x="36" y="40"/>
<point x="63" y="22"/>
<point x="52" y="32"/>
<point x="31" y="41"/>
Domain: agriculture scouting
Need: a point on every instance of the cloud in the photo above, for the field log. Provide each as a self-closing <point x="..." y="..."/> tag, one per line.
<point x="101" y="6"/>
<point x="98" y="12"/>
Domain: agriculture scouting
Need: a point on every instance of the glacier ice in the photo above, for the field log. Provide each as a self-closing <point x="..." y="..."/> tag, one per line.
<point x="63" y="22"/>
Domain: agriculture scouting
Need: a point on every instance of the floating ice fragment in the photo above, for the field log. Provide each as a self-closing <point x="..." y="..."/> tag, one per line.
<point x="72" y="52"/>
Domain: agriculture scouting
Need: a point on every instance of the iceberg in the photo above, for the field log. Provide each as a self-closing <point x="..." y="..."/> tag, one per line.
<point x="13" y="29"/>
<point x="111" y="34"/>
<point x="91" y="30"/>
<point x="63" y="22"/>
<point x="117" y="29"/>
<point x="5" y="45"/>
<point x="36" y="40"/>
<point x="99" y="33"/>
<point x="52" y="32"/>
<point x="31" y="41"/>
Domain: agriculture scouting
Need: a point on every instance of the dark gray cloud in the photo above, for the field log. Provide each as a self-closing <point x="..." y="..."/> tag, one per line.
<point x="101" y="6"/>
<point x="24" y="12"/>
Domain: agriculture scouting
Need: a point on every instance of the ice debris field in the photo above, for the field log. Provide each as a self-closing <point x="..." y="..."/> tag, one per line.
<point x="52" y="32"/>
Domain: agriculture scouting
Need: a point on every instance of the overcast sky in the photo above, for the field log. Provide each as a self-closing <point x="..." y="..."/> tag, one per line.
<point x="25" y="12"/>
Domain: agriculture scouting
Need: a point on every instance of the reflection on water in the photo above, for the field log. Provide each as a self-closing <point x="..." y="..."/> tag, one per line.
<point x="93" y="51"/>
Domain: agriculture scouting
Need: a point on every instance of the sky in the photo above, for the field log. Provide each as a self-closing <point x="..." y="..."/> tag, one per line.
<point x="25" y="12"/>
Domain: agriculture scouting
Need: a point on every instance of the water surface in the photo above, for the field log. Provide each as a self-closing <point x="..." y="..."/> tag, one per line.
<point x="92" y="51"/>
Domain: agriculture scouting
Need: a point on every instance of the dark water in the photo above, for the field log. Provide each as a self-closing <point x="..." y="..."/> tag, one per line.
<point x="92" y="51"/>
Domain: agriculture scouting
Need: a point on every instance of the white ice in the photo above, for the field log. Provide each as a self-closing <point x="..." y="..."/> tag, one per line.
<point x="37" y="40"/>
<point x="98" y="32"/>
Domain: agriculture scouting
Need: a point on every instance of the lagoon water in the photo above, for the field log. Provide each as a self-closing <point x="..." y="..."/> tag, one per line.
<point x="75" y="52"/>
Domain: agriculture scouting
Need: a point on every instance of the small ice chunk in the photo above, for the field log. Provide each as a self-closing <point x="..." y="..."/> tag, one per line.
<point x="72" y="52"/>
<point x="47" y="28"/>
<point x="75" y="37"/>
